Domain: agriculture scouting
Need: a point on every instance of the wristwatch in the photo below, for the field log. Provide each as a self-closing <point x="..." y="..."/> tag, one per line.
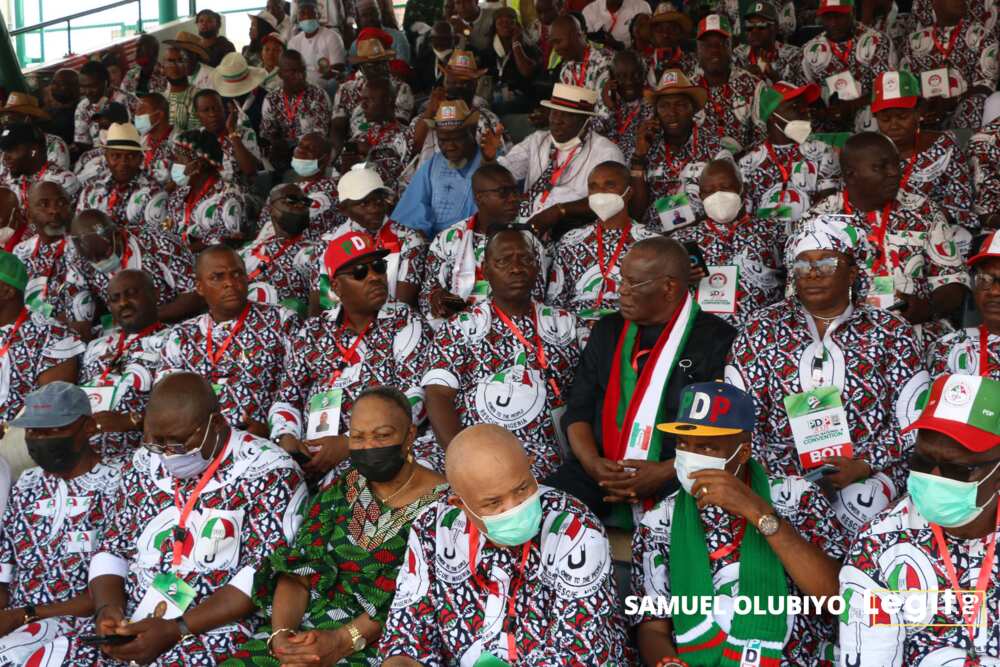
<point x="30" y="614"/>
<point x="767" y="525"/>
<point x="182" y="626"/>
<point x="358" y="642"/>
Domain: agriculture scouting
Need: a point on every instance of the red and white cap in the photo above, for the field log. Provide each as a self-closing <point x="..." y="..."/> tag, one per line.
<point x="988" y="250"/>
<point x="348" y="249"/>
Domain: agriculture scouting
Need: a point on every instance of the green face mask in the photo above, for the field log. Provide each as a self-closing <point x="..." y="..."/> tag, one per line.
<point x="517" y="525"/>
<point x="946" y="502"/>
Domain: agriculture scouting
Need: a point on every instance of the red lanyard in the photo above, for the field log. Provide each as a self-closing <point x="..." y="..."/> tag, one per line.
<point x="785" y="169"/>
<point x="580" y="79"/>
<point x="769" y="56"/>
<point x="842" y="55"/>
<point x="668" y="155"/>
<point x="539" y="350"/>
<point x="13" y="332"/>
<point x="726" y="236"/>
<point x="28" y="180"/>
<point x="126" y="254"/>
<point x="558" y="173"/>
<point x="984" y="356"/>
<point x="112" y="200"/>
<point x="265" y="260"/>
<point x="348" y="354"/>
<point x="493" y="588"/>
<point x="215" y="356"/>
<point x="151" y="151"/>
<point x="879" y="228"/>
<point x="946" y="52"/>
<point x="982" y="583"/>
<point x="624" y="125"/>
<point x="121" y="348"/>
<point x="291" y="111"/>
<point x="911" y="163"/>
<point x="388" y="239"/>
<point x="181" y="535"/>
<point x="614" y="22"/>
<point x="729" y="548"/>
<point x="675" y="55"/>
<point x="719" y="107"/>
<point x="605" y="269"/>
<point x="190" y="202"/>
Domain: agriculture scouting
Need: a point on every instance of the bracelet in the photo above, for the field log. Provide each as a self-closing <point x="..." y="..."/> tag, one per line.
<point x="562" y="210"/>
<point x="638" y="173"/>
<point x="275" y="634"/>
<point x="136" y="418"/>
<point x="671" y="661"/>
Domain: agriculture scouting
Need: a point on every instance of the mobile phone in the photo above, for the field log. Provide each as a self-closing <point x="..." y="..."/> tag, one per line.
<point x="453" y="302"/>
<point x="816" y="473"/>
<point x="897" y="307"/>
<point x="696" y="256"/>
<point x="107" y="640"/>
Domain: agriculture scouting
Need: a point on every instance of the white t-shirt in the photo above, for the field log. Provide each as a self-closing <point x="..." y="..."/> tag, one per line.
<point x="325" y="43"/>
<point x="597" y="16"/>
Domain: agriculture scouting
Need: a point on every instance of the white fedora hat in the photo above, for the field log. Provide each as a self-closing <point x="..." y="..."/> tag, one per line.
<point x="123" y="137"/>
<point x="573" y="99"/>
<point x="233" y="77"/>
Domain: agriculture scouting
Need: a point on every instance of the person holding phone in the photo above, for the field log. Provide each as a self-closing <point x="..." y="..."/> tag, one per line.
<point x="623" y="109"/>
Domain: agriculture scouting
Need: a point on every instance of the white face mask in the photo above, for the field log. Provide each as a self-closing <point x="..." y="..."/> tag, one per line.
<point x="686" y="463"/>
<point x="566" y="145"/>
<point x="796" y="130"/>
<point x="607" y="205"/>
<point x="189" y="464"/>
<point x="723" y="206"/>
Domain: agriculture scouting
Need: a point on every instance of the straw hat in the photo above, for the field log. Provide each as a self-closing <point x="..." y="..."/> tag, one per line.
<point x="452" y="114"/>
<point x="372" y="51"/>
<point x="123" y="137"/>
<point x="462" y="65"/>
<point x="233" y="77"/>
<point x="666" y="12"/>
<point x="24" y="103"/>
<point x="673" y="82"/>
<point x="189" y="42"/>
<point x="573" y="99"/>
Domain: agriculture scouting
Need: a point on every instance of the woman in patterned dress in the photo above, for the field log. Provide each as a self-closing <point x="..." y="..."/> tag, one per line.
<point x="329" y="593"/>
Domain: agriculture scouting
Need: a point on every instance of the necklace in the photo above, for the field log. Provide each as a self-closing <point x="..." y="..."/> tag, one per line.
<point x="385" y="501"/>
<point x="824" y="319"/>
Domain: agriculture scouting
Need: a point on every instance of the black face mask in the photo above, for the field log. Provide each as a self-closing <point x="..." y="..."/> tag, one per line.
<point x="379" y="464"/>
<point x="291" y="223"/>
<point x="208" y="34"/>
<point x="55" y="455"/>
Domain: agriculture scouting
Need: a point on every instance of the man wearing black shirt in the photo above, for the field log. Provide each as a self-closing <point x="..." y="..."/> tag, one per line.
<point x="653" y="296"/>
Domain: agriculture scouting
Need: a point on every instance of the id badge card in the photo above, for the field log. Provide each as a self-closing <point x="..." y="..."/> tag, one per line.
<point x="167" y="597"/>
<point x="595" y="313"/>
<point x="80" y="541"/>
<point x="882" y="293"/>
<point x="716" y="292"/>
<point x="844" y="85"/>
<point x="480" y="290"/>
<point x="935" y="83"/>
<point x="819" y="425"/>
<point x="102" y="398"/>
<point x="34" y="296"/>
<point x="324" y="414"/>
<point x="674" y="211"/>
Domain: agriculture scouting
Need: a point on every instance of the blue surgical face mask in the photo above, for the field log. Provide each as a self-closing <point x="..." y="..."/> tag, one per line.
<point x="517" y="525"/>
<point x="308" y="25"/>
<point x="178" y="175"/>
<point x="143" y="123"/>
<point x="946" y="502"/>
<point x="305" y="168"/>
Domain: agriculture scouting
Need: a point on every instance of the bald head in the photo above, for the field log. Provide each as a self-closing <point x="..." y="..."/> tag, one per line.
<point x="186" y="397"/>
<point x="213" y="252"/>
<point x="483" y="461"/>
<point x="567" y="23"/>
<point x="91" y="221"/>
<point x="668" y="254"/>
<point x="722" y="168"/>
<point x="869" y="145"/>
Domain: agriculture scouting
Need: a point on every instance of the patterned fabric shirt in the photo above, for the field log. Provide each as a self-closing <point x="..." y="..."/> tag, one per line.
<point x="971" y="62"/>
<point x="780" y="175"/>
<point x="230" y="166"/>
<point x="754" y="247"/>
<point x="127" y="363"/>
<point x="455" y="264"/>
<point x="56" y="152"/>
<point x="785" y="61"/>
<point x="795" y="500"/>
<point x="670" y="173"/>
<point x="621" y="125"/>
<point x="565" y="606"/>
<point x="247" y="375"/>
<point x="870" y="354"/>
<point x="279" y="269"/>
<point x="942" y="174"/>
<point x="500" y="380"/>
<point x="156" y="83"/>
<point x="217" y="214"/>
<point x="50" y="531"/>
<point x="347" y="101"/>
<point x="391" y="353"/>
<point x="158" y="156"/>
<point x="291" y="118"/>
<point x="140" y="204"/>
<point x="984" y="156"/>
<point x="897" y="26"/>
<point x="981" y="11"/>
<point x="729" y="113"/>
<point x="897" y="551"/>
<point x="390" y="145"/>
<point x="91" y="166"/>
<point x="48" y="173"/>
<point x="35" y="347"/>
<point x="46" y="290"/>
<point x="593" y="71"/>
<point x="960" y="352"/>
<point x="919" y="246"/>
<point x="659" y="61"/>
<point x="181" y="107"/>
<point x="249" y="508"/>
<point x="85" y="129"/>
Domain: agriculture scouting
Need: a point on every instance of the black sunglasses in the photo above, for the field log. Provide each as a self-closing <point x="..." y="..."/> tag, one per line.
<point x="360" y="271"/>
<point x="959" y="472"/>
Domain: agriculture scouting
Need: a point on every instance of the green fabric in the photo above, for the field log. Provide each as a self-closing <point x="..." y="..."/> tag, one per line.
<point x="761" y="576"/>
<point x="12" y="271"/>
<point x="346" y="580"/>
<point x="770" y="99"/>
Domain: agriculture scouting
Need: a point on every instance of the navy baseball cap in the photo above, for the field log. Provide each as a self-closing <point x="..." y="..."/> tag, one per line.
<point x="712" y="408"/>
<point x="54" y="405"/>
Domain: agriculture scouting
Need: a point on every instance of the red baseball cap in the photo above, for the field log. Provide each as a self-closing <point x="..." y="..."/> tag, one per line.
<point x="990" y="249"/>
<point x="964" y="408"/>
<point x="375" y="33"/>
<point x="348" y="249"/>
<point x="835" y="6"/>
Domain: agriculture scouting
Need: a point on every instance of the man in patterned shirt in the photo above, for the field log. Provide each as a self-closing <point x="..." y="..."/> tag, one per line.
<point x="117" y="369"/>
<point x="364" y="201"/>
<point x="22" y="148"/>
<point x="94" y="91"/>
<point x="670" y="28"/>
<point x="623" y="109"/>
<point x="934" y="544"/>
<point x="584" y="65"/>
<point x="956" y="59"/>
<point x="44" y="254"/>
<point x="540" y="590"/>
<point x="381" y="139"/>
<point x="788" y="172"/>
<point x="507" y="360"/>
<point x="763" y="55"/>
<point x="310" y="162"/>
<point x="670" y="152"/>
<point x="178" y="578"/>
<point x="975" y="350"/>
<point x="152" y="120"/>
<point x="984" y="156"/>
<point x="52" y="522"/>
<point x="126" y="193"/>
<point x="366" y="340"/>
<point x="293" y="111"/>
<point x="23" y="108"/>
<point x="100" y="249"/>
<point x="732" y="529"/>
<point x="239" y="345"/>
<point x="279" y="265"/>
<point x="241" y="156"/>
<point x="145" y="76"/>
<point x="845" y="59"/>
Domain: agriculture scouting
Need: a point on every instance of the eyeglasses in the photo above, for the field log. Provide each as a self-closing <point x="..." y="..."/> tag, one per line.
<point x="959" y="472"/>
<point x="627" y="286"/>
<point x="360" y="271"/>
<point x="824" y="267"/>
<point x="985" y="281"/>
<point x="296" y="199"/>
<point x="505" y="192"/>
<point x="171" y="448"/>
<point x="758" y="26"/>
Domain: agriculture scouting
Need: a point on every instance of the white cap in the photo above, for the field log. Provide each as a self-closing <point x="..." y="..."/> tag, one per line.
<point x="359" y="182"/>
<point x="991" y="109"/>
